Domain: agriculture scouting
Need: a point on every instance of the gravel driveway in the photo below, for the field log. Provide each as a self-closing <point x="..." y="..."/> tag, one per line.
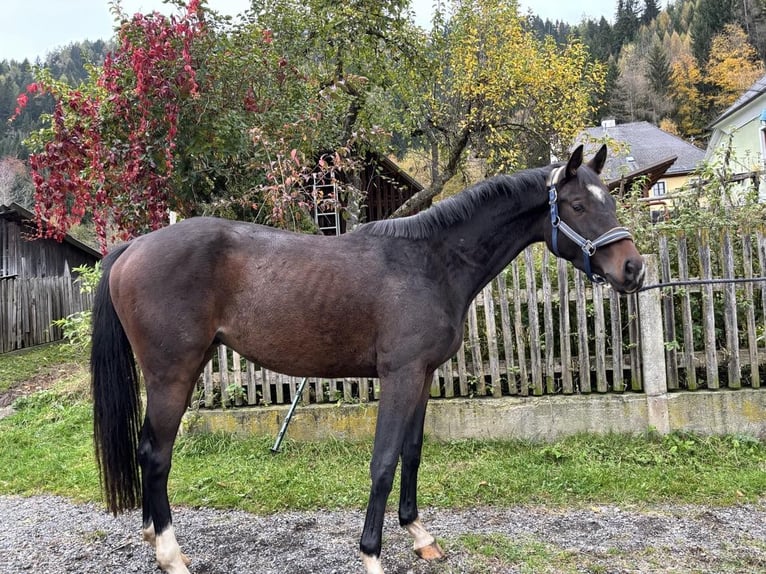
<point x="46" y="534"/>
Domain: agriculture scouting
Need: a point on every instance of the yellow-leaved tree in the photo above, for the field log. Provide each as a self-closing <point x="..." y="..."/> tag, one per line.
<point x="495" y="89"/>
<point x="685" y="81"/>
<point x="733" y="65"/>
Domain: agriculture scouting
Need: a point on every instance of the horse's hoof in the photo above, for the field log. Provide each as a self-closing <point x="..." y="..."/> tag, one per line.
<point x="430" y="552"/>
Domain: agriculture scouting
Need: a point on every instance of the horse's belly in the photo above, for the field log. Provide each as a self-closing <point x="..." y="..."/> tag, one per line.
<point x="296" y="351"/>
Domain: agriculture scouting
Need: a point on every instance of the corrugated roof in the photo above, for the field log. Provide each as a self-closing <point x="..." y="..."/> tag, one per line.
<point x="647" y="145"/>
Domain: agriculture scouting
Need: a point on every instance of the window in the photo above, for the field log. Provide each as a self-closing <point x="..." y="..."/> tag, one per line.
<point x="658" y="189"/>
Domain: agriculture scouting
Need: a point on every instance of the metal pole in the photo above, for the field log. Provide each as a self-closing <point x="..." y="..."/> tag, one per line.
<point x="293" y="405"/>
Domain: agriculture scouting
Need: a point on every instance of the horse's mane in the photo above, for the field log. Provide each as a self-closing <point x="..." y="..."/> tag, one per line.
<point x="459" y="207"/>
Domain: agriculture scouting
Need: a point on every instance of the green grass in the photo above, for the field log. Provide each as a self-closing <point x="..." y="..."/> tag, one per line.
<point x="22" y="365"/>
<point x="496" y="552"/>
<point x="46" y="447"/>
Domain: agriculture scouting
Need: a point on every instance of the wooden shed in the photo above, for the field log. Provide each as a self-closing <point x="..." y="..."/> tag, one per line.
<point x="37" y="284"/>
<point x="386" y="186"/>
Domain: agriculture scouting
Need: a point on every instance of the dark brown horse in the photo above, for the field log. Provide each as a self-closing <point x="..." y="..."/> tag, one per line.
<point x="388" y="300"/>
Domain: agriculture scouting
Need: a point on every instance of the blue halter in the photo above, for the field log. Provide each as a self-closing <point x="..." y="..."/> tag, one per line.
<point x="588" y="247"/>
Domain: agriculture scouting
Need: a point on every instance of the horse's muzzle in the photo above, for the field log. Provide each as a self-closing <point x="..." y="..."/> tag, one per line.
<point x="633" y="273"/>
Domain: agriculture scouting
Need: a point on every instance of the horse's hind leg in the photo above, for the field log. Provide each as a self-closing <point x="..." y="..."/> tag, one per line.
<point x="165" y="406"/>
<point x="424" y="544"/>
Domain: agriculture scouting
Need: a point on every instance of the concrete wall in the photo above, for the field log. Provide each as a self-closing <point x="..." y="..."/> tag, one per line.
<point x="532" y="418"/>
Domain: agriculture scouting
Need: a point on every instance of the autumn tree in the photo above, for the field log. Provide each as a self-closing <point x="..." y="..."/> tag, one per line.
<point x="493" y="88"/>
<point x="686" y="79"/>
<point x="733" y="65"/>
<point x="198" y="116"/>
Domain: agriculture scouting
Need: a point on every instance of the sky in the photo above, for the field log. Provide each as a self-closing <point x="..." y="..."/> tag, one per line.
<point x="33" y="28"/>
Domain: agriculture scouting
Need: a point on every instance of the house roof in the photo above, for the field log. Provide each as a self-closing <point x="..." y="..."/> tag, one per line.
<point x="757" y="89"/>
<point x="646" y="146"/>
<point x="17" y="212"/>
<point x="647" y="176"/>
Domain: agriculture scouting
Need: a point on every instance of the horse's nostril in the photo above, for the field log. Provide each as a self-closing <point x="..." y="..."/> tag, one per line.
<point x="633" y="270"/>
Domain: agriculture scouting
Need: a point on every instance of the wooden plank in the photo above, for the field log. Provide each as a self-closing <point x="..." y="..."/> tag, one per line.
<point x="599" y="330"/>
<point x="549" y="364"/>
<point x="492" y="350"/>
<point x="636" y="376"/>
<point x="223" y="371"/>
<point x="687" y="324"/>
<point x="364" y="390"/>
<point x="236" y="378"/>
<point x="436" y="389"/>
<point x="505" y="327"/>
<point x="348" y="391"/>
<point x="668" y="317"/>
<point x="477" y="366"/>
<point x="615" y="314"/>
<point x="583" y="353"/>
<point x="518" y="328"/>
<point x="752" y="336"/>
<point x="565" y="342"/>
<point x="533" y="323"/>
<point x="708" y="311"/>
<point x="462" y="371"/>
<point x="252" y="388"/>
<point x="449" y="379"/>
<point x="730" y="313"/>
<point x="207" y="385"/>
<point x="761" y="249"/>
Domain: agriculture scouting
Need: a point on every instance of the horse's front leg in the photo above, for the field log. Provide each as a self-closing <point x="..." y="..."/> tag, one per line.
<point x="424" y="544"/>
<point x="400" y="394"/>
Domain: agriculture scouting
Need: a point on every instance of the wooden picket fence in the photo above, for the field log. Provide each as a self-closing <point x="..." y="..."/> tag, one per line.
<point x="28" y="307"/>
<point x="540" y="329"/>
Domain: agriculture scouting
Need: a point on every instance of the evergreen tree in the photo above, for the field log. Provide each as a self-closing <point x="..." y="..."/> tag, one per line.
<point x="626" y="23"/>
<point x="658" y="69"/>
<point x="710" y="17"/>
<point x="651" y="11"/>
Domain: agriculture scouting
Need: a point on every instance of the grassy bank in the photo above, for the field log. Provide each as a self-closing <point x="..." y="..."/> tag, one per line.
<point x="46" y="447"/>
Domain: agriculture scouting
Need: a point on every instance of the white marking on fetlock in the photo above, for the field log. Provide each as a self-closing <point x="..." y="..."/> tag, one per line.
<point x="169" y="555"/>
<point x="372" y="564"/>
<point x="149" y="535"/>
<point x="420" y="534"/>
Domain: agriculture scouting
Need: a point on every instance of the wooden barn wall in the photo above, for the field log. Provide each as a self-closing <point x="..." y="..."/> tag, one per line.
<point x="36" y="258"/>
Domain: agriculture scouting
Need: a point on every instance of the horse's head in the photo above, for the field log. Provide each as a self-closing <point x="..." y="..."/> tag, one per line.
<point x="583" y="225"/>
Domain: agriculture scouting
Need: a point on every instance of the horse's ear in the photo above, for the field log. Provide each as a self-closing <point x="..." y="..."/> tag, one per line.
<point x="598" y="161"/>
<point x="575" y="161"/>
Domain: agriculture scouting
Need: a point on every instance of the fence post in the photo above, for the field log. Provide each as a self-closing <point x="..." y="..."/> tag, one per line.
<point x="652" y="341"/>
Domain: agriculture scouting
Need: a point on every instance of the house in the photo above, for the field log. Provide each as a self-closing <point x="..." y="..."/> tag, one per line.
<point x="36" y="280"/>
<point x="743" y="126"/>
<point x="662" y="161"/>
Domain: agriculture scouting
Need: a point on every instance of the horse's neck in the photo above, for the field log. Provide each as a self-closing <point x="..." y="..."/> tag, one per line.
<point x="497" y="232"/>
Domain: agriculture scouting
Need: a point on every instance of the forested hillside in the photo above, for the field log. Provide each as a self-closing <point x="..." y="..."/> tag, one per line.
<point x="677" y="67"/>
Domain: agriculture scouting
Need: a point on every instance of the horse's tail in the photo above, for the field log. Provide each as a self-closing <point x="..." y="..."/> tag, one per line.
<point x="116" y="399"/>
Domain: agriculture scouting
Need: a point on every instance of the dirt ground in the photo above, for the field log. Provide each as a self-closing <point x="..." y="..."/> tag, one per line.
<point x="51" y="535"/>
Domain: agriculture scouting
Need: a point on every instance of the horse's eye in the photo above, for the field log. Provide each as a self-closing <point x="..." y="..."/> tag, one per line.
<point x="578" y="207"/>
